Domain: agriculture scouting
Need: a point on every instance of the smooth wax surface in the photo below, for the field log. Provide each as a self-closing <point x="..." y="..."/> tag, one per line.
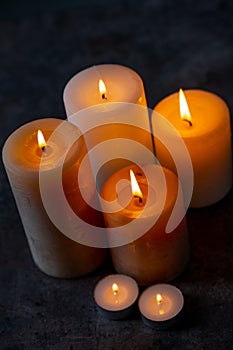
<point x="165" y="313"/>
<point x="145" y="251"/>
<point x="126" y="296"/>
<point x="122" y="85"/>
<point x="208" y="141"/>
<point x="110" y="122"/>
<point x="171" y="304"/>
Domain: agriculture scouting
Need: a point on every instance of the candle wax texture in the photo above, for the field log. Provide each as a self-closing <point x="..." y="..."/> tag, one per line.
<point x="122" y="85"/>
<point x="119" y="122"/>
<point x="154" y="255"/>
<point x="171" y="303"/>
<point x="53" y="252"/>
<point x="125" y="297"/>
<point x="208" y="141"/>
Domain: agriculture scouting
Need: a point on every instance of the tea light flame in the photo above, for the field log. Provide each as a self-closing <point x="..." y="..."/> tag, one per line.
<point x="102" y="89"/>
<point x="135" y="187"/>
<point x="159" y="298"/>
<point x="184" y="108"/>
<point x="115" y="288"/>
<point x="41" y="140"/>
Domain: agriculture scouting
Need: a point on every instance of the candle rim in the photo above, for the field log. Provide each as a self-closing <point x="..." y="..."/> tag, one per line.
<point x="169" y="200"/>
<point x="118" y="307"/>
<point x="190" y="132"/>
<point x="146" y="293"/>
<point x="27" y="131"/>
<point x="70" y="102"/>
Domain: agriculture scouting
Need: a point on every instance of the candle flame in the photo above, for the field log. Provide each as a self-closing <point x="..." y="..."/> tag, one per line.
<point x="41" y="140"/>
<point x="184" y="108"/>
<point x="115" y="288"/>
<point x="134" y="186"/>
<point x="159" y="298"/>
<point x="102" y="89"/>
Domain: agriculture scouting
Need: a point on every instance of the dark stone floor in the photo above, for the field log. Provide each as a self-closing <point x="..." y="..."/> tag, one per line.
<point x="171" y="44"/>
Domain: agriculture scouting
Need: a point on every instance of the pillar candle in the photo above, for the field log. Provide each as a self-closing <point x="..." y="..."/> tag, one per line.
<point x="53" y="252"/>
<point x="102" y="84"/>
<point x="107" y="102"/>
<point x="152" y="255"/>
<point x="207" y="136"/>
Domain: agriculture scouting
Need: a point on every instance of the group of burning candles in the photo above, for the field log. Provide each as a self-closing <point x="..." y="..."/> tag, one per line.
<point x="57" y="172"/>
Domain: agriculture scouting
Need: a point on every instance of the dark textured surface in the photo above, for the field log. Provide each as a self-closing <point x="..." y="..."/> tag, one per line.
<point x="170" y="44"/>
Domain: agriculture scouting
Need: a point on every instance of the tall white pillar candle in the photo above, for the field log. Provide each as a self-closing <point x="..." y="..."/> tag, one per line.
<point x="53" y="252"/>
<point x="114" y="121"/>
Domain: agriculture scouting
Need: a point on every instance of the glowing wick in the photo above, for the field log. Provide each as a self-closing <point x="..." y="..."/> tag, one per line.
<point x="115" y="288"/>
<point x="102" y="89"/>
<point x="135" y="187"/>
<point x="159" y="298"/>
<point x="184" y="108"/>
<point x="41" y="141"/>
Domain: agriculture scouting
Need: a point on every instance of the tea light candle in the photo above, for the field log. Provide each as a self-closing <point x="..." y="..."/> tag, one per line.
<point x="53" y="252"/>
<point x="203" y="122"/>
<point x="140" y="245"/>
<point x="115" y="296"/>
<point x="161" y="306"/>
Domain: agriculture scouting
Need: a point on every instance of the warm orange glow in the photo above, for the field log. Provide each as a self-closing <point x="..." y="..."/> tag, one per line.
<point x="184" y="108"/>
<point x="102" y="88"/>
<point x="115" y="288"/>
<point x="41" y="140"/>
<point x="134" y="186"/>
<point x="159" y="298"/>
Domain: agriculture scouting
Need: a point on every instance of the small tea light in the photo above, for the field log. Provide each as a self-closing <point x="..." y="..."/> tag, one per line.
<point x="161" y="306"/>
<point x="115" y="296"/>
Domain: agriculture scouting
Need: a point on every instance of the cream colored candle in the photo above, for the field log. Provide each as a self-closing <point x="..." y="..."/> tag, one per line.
<point x="161" y="306"/>
<point x="52" y="251"/>
<point x="107" y="102"/>
<point x="102" y="84"/>
<point x="150" y="254"/>
<point x="207" y="136"/>
<point x="115" y="296"/>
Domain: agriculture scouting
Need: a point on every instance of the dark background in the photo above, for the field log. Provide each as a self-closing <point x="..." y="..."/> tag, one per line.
<point x="171" y="44"/>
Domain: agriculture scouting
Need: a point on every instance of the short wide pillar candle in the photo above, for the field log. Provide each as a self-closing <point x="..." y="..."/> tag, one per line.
<point x="155" y="256"/>
<point x="207" y="136"/>
<point x="53" y="252"/>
